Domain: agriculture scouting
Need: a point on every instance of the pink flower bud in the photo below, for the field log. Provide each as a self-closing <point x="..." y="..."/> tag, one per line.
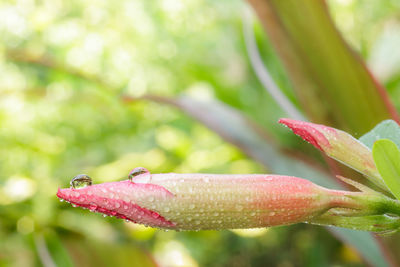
<point x="209" y="201"/>
<point x="338" y="145"/>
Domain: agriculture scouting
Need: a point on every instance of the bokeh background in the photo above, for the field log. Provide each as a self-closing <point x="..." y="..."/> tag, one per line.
<point x="66" y="68"/>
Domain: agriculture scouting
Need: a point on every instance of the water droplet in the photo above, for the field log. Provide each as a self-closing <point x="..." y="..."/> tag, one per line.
<point x="139" y="171"/>
<point x="105" y="215"/>
<point x="61" y="200"/>
<point x="80" y="181"/>
<point x="191" y="206"/>
<point x="74" y="205"/>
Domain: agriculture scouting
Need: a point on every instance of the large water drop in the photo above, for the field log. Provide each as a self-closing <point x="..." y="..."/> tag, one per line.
<point x="142" y="172"/>
<point x="80" y="181"/>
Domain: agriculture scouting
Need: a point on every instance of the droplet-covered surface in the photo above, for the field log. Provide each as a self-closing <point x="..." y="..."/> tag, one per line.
<point x="239" y="201"/>
<point x="308" y="131"/>
<point x="123" y="199"/>
<point x="205" y="201"/>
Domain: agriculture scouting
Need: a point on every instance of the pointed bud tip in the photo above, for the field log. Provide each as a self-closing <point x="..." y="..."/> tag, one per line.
<point x="310" y="132"/>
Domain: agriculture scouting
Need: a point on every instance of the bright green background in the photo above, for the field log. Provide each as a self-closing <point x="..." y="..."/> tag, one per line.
<point x="63" y="67"/>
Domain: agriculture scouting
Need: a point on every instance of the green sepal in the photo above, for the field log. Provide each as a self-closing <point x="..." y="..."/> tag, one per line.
<point x="387" y="160"/>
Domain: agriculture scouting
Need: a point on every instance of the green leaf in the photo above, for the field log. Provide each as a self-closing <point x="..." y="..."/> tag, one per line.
<point x="387" y="159"/>
<point x="387" y="129"/>
<point x="238" y="130"/>
<point x="333" y="84"/>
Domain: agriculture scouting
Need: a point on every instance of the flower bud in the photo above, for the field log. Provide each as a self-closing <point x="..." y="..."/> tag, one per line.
<point x="209" y="201"/>
<point x="338" y="145"/>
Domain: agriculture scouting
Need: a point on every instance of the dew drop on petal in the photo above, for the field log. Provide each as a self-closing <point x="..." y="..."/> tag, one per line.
<point x="139" y="171"/>
<point x="80" y="181"/>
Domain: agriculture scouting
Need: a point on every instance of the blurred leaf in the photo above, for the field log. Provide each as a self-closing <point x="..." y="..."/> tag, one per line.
<point x="366" y="244"/>
<point x="387" y="129"/>
<point x="57" y="251"/>
<point x="387" y="159"/>
<point x="231" y="125"/>
<point x="333" y="85"/>
<point x="98" y="254"/>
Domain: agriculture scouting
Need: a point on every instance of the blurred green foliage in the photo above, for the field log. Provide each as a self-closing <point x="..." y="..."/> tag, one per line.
<point x="63" y="68"/>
